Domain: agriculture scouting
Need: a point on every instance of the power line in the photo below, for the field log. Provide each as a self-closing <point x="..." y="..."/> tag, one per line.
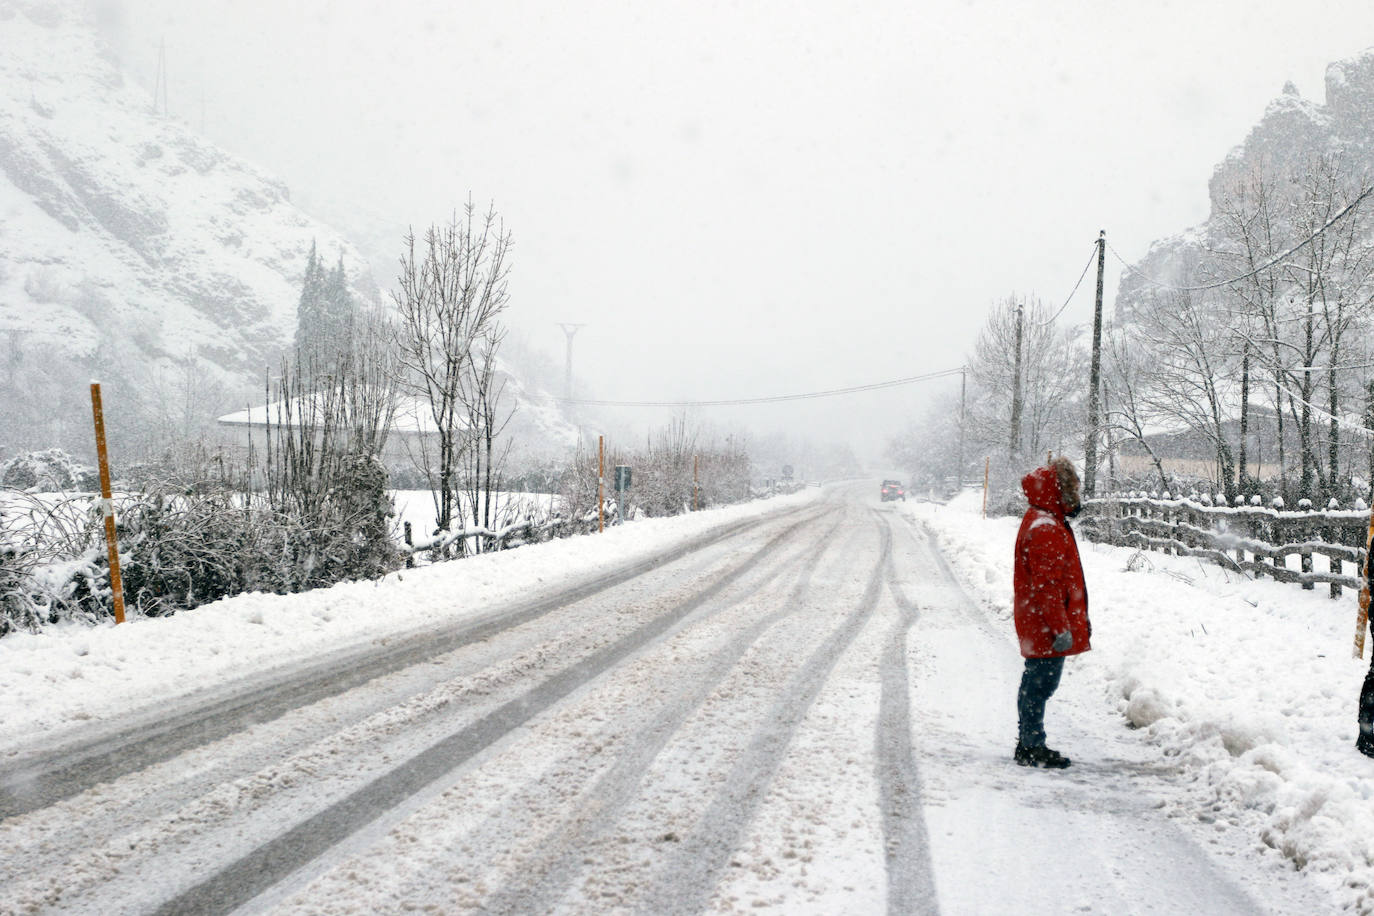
<point x="1322" y="414"/>
<point x="1272" y="262"/>
<point x="734" y="402"/>
<point x="1086" y="267"/>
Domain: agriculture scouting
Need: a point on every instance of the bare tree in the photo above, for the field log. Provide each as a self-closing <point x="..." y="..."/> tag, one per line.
<point x="1334" y="274"/>
<point x="1125" y="381"/>
<point x="1053" y="375"/>
<point x="449" y="296"/>
<point x="487" y="415"/>
<point x="1189" y="364"/>
<point x="1296" y="316"/>
<point x="1250" y="237"/>
<point x="323" y="471"/>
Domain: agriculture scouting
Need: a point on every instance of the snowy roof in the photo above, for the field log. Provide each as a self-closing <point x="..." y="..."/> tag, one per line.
<point x="412" y="416"/>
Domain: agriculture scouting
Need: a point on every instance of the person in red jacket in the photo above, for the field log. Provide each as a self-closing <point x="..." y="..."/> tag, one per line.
<point x="1051" y="602"/>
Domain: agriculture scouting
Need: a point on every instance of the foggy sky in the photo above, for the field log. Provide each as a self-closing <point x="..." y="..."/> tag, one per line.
<point x="751" y="198"/>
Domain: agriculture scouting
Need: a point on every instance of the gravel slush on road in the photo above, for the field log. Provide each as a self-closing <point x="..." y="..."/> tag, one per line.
<point x="804" y="707"/>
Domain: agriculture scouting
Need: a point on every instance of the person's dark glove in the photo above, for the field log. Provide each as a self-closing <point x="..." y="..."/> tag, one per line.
<point x="1063" y="642"/>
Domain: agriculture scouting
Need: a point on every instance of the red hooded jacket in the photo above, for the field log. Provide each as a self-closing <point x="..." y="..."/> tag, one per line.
<point x="1050" y="594"/>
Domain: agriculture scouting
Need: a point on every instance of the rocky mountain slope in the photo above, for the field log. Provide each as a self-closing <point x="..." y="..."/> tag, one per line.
<point x="131" y="249"/>
<point x="1291" y="133"/>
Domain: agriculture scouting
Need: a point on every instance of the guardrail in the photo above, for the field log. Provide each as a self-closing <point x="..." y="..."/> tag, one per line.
<point x="1254" y="539"/>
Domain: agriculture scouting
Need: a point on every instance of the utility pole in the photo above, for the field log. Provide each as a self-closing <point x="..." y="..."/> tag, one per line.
<point x="963" y="389"/>
<point x="1095" y="378"/>
<point x="160" y="82"/>
<point x="570" y="330"/>
<point x="1015" y="444"/>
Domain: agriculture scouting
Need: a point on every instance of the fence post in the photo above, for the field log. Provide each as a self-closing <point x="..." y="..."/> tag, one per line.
<point x="1331" y="535"/>
<point x="1306" y="531"/>
<point x="1244" y="527"/>
<point x="987" y="464"/>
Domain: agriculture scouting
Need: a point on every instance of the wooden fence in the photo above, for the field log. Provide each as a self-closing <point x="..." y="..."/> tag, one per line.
<point x="1289" y="546"/>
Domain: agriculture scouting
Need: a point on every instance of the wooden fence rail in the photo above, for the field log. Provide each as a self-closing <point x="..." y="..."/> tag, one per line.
<point x="1259" y="540"/>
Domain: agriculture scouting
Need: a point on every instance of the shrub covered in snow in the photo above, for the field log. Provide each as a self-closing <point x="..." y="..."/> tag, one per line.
<point x="183" y="545"/>
<point x="49" y="569"/>
<point x="48" y="471"/>
<point x="669" y="474"/>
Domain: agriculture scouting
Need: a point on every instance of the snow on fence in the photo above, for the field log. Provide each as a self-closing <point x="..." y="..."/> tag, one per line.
<point x="1324" y="545"/>
<point x="513" y="535"/>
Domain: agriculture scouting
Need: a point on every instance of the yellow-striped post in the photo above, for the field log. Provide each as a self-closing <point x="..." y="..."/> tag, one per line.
<point x="106" y="504"/>
<point x="987" y="465"/>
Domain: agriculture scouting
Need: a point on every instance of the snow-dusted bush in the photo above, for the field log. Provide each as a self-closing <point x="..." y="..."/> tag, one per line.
<point x="671" y="474"/>
<point x="181" y="550"/>
<point x="48" y="471"/>
<point x="325" y="492"/>
<point x="49" y="568"/>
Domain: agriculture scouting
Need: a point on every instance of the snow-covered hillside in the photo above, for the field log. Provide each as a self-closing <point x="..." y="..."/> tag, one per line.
<point x="129" y="245"/>
<point x="1289" y="137"/>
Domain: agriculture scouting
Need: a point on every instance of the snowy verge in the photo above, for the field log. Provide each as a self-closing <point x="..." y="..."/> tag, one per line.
<point x="57" y="682"/>
<point x="1247" y="686"/>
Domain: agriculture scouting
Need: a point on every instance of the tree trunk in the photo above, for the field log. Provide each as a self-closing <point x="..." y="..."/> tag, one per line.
<point x="1244" y="413"/>
<point x="1278" y="416"/>
<point x="1333" y="446"/>
<point x="1309" y="454"/>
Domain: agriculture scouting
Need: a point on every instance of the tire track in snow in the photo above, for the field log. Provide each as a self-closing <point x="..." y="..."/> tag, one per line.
<point x="274" y="860"/>
<point x="910" y="874"/>
<point x="255" y="784"/>
<point x="685" y="882"/>
<point x="70" y="769"/>
<point x="548" y="878"/>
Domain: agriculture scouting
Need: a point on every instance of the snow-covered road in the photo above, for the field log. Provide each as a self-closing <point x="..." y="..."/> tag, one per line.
<point x="800" y="709"/>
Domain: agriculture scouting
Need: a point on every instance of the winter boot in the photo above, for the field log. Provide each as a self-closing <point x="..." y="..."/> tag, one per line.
<point x="1039" y="756"/>
<point x="1365" y="744"/>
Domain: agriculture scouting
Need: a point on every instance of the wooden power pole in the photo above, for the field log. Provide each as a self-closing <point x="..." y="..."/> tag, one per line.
<point x="963" y="392"/>
<point x="1095" y="379"/>
<point x="1014" y="447"/>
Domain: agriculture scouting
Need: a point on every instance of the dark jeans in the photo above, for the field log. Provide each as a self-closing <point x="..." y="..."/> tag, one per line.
<point x="1038" y="683"/>
<point x="1365" y="742"/>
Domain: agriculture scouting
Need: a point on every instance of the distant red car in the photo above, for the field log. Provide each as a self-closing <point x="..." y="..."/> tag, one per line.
<point x="892" y="489"/>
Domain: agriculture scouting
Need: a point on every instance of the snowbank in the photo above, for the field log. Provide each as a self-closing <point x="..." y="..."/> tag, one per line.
<point x="1247" y="686"/>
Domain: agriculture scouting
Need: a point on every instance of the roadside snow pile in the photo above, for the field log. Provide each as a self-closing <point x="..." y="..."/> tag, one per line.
<point x="1247" y="686"/>
<point x="71" y="674"/>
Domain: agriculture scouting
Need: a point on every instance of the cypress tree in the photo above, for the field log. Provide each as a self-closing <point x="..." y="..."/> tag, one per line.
<point x="338" y="307"/>
<point x="309" y="310"/>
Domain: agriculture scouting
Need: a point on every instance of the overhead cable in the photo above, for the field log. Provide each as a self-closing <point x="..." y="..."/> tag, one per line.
<point x="1086" y="267"/>
<point x="1272" y="262"/>
<point x="733" y="402"/>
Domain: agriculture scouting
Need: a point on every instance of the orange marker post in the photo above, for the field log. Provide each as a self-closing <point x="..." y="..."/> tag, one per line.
<point x="696" y="482"/>
<point x="987" y="464"/>
<point x="106" y="505"/>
